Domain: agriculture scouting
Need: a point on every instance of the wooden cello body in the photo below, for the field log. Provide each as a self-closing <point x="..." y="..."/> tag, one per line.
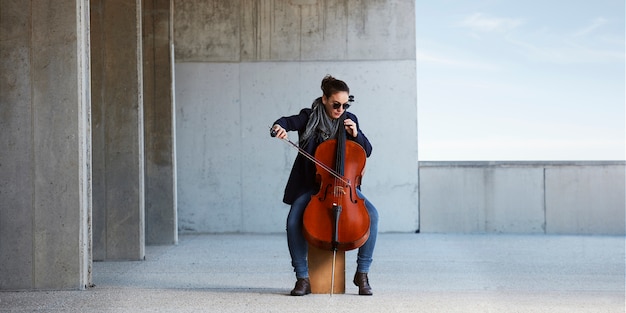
<point x="336" y="217"/>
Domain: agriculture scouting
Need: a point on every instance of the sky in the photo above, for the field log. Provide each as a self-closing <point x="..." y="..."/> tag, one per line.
<point x="504" y="80"/>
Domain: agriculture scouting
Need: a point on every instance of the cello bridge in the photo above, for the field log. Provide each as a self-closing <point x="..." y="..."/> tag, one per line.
<point x="339" y="190"/>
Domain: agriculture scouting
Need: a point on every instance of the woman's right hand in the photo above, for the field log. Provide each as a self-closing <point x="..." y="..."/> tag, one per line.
<point x="280" y="132"/>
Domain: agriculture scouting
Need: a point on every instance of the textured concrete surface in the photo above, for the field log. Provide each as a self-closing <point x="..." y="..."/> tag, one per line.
<point x="232" y="174"/>
<point x="243" y="64"/>
<point x="411" y="273"/>
<point x="288" y="30"/>
<point x="117" y="118"/>
<point x="551" y="197"/>
<point x="159" y="123"/>
<point x="44" y="135"/>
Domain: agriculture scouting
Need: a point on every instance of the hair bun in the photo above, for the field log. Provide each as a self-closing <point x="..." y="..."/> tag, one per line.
<point x="331" y="85"/>
<point x="327" y="79"/>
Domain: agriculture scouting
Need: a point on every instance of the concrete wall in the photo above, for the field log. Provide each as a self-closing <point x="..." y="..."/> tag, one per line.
<point x="523" y="197"/>
<point x="45" y="195"/>
<point x="243" y="64"/>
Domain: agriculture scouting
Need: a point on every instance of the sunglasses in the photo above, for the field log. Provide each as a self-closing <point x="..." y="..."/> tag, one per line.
<point x="337" y="105"/>
<point x="346" y="105"/>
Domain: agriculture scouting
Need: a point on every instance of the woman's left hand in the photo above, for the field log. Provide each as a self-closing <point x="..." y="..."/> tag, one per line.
<point x="350" y="126"/>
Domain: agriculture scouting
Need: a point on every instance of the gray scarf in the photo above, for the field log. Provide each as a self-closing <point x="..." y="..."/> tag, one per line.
<point x="319" y="124"/>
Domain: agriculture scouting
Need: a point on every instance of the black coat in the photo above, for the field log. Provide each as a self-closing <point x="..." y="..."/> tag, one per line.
<point x="302" y="177"/>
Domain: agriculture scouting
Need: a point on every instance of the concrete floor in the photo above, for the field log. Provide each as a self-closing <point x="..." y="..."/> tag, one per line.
<point x="411" y="273"/>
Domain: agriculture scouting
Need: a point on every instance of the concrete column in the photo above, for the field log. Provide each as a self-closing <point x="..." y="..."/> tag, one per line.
<point x="118" y="151"/>
<point x="45" y="199"/>
<point x="158" y="99"/>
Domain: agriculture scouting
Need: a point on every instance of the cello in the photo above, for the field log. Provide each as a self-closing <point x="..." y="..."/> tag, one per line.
<point x="336" y="217"/>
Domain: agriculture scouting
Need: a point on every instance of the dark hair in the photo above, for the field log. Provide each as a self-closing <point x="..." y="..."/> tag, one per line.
<point x="331" y="85"/>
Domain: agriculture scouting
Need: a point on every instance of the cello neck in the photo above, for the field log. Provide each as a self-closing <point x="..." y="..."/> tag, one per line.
<point x="341" y="146"/>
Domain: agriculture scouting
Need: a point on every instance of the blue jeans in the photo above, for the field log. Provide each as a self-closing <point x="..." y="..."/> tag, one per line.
<point x="298" y="246"/>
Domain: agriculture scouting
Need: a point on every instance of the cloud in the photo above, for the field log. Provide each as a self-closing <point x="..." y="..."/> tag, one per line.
<point x="563" y="50"/>
<point x="439" y="59"/>
<point x="592" y="42"/>
<point x="478" y="22"/>
<point x="595" y="24"/>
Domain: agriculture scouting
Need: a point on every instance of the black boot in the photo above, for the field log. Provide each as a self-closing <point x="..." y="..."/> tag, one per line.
<point x="303" y="287"/>
<point x="360" y="280"/>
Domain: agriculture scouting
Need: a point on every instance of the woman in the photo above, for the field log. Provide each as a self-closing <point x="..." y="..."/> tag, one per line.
<point x="315" y="125"/>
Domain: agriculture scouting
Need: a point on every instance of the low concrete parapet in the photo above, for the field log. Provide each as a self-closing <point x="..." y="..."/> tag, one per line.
<point x="544" y="197"/>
